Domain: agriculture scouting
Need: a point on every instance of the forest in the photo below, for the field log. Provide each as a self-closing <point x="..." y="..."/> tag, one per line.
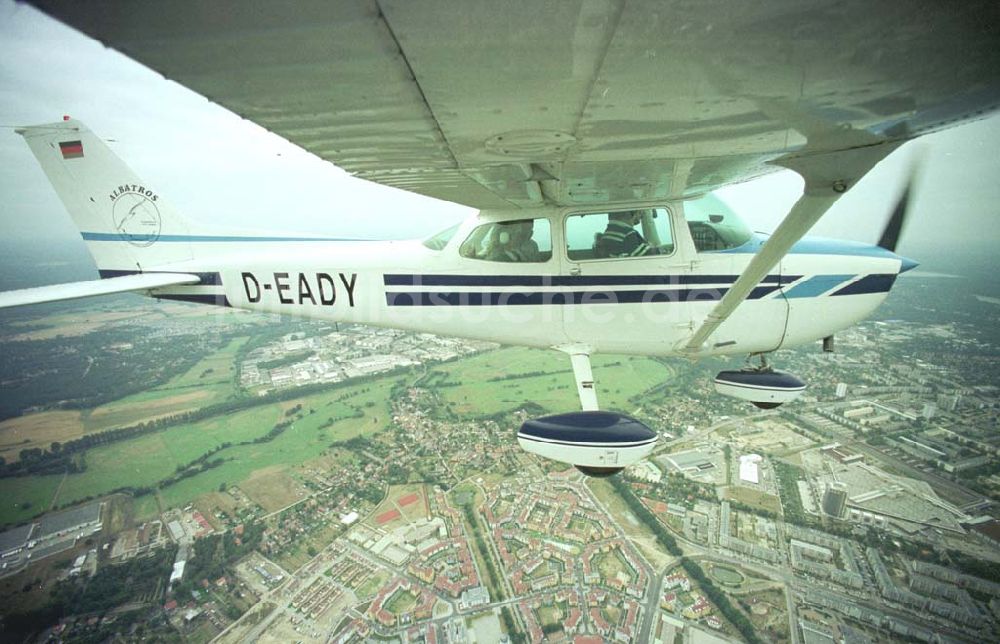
<point x="95" y="368"/>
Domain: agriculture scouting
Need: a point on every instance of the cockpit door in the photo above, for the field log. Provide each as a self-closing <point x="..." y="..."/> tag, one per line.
<point x="626" y="280"/>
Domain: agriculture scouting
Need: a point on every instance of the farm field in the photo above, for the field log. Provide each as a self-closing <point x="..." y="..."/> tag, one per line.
<point x="38" y="430"/>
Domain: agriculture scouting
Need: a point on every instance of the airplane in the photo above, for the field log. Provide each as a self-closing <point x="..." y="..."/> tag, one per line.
<point x="590" y="135"/>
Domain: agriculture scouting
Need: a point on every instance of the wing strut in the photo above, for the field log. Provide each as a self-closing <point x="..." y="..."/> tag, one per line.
<point x="827" y="177"/>
<point x="579" y="356"/>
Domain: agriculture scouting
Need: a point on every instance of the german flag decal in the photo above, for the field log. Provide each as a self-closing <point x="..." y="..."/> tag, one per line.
<point x="71" y="149"/>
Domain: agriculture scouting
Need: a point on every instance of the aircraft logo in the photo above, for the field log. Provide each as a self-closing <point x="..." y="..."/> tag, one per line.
<point x="135" y="215"/>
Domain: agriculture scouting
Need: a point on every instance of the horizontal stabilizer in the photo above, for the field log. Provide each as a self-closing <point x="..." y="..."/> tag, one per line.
<point x="76" y="290"/>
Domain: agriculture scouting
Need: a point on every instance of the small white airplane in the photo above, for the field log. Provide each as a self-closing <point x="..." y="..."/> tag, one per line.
<point x="591" y="135"/>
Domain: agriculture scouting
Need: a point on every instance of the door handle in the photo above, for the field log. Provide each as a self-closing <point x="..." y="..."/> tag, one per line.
<point x="575" y="270"/>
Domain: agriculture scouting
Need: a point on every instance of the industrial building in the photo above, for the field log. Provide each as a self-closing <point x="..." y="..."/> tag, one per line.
<point x="750" y="468"/>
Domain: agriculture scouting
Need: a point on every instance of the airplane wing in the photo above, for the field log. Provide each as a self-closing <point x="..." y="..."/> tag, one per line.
<point x="518" y="104"/>
<point x="76" y="290"/>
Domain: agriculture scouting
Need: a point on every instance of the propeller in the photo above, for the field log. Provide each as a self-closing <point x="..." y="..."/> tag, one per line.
<point x="890" y="234"/>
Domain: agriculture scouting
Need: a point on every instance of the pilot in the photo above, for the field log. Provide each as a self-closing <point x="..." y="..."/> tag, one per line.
<point x="512" y="242"/>
<point x="621" y="239"/>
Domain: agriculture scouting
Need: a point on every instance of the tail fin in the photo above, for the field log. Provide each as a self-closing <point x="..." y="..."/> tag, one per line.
<point x="125" y="222"/>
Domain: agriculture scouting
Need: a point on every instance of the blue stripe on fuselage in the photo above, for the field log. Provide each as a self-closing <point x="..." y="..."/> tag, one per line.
<point x="875" y="283"/>
<point x="563" y="298"/>
<point x="572" y="280"/>
<point x="816" y="286"/>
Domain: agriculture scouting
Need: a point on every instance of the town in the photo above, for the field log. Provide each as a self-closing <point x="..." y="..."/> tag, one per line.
<point x="863" y="512"/>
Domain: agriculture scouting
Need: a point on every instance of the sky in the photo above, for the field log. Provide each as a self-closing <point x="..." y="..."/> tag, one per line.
<point x="211" y="164"/>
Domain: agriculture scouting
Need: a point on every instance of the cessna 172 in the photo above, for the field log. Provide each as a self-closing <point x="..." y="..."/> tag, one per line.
<point x="591" y="136"/>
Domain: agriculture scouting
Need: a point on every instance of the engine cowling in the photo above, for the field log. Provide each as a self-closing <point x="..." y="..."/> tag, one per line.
<point x="598" y="443"/>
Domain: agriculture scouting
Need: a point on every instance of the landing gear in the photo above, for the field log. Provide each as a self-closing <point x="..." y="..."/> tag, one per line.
<point x="598" y="443"/>
<point x="763" y="386"/>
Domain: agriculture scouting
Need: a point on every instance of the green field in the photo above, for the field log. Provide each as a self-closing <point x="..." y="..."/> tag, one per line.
<point x="145" y="508"/>
<point x="470" y="389"/>
<point x="726" y="576"/>
<point x="143" y="461"/>
<point x="24" y="497"/>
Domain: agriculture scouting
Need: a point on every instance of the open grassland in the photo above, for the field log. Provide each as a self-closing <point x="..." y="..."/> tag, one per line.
<point x="91" y="315"/>
<point x="145" y="508"/>
<point x="217" y="368"/>
<point x="121" y="414"/>
<point x="273" y="488"/>
<point x="38" y="430"/>
<point x="754" y="498"/>
<point x="143" y="461"/>
<point x="23" y="497"/>
<point x="503" y="380"/>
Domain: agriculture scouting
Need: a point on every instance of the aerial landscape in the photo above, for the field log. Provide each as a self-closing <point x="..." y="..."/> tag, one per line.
<point x="579" y="322"/>
<point x="277" y="480"/>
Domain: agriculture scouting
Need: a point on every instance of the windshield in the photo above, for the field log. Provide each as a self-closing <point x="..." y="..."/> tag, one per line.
<point x="441" y="239"/>
<point x="523" y="240"/>
<point x="713" y="225"/>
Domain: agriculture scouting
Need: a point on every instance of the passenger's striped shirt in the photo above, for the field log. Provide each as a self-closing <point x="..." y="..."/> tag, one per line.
<point x="621" y="240"/>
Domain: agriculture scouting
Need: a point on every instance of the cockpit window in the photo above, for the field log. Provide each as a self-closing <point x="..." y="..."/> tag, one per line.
<point x="637" y="232"/>
<point x="713" y="225"/>
<point x="441" y="239"/>
<point x="524" y="240"/>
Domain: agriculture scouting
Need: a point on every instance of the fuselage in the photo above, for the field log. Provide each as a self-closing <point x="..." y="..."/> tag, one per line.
<point x="563" y="293"/>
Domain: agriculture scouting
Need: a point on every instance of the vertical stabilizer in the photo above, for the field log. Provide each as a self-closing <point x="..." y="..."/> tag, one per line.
<point x="126" y="223"/>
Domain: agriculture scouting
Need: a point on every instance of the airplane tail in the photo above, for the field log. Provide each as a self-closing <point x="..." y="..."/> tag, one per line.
<point x="127" y="225"/>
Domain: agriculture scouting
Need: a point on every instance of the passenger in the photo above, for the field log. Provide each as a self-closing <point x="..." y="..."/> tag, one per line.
<point x="512" y="242"/>
<point x="620" y="239"/>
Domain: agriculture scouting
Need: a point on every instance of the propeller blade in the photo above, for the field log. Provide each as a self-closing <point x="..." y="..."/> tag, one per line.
<point x="890" y="234"/>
